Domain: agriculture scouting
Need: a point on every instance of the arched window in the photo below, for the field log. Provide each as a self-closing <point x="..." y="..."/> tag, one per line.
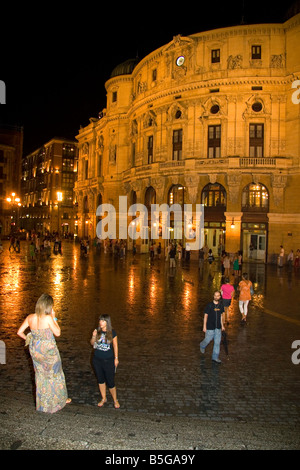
<point x="150" y="197"/>
<point x="214" y="195"/>
<point x="133" y="198"/>
<point x="176" y="195"/>
<point x="255" y="197"/>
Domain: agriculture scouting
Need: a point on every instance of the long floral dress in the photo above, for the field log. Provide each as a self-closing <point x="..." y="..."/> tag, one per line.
<point x="51" y="390"/>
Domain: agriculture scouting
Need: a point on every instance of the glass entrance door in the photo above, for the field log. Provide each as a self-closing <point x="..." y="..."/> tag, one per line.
<point x="254" y="246"/>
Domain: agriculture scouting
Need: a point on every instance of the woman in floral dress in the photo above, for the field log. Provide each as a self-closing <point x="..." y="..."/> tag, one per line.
<point x="51" y="390"/>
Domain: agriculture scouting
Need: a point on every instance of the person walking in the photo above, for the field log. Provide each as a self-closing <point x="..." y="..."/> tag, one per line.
<point x="213" y="326"/>
<point x="51" y="390"/>
<point x="227" y="291"/>
<point x="172" y="255"/>
<point x="201" y="259"/>
<point x="236" y="266"/>
<point x="105" y="358"/>
<point x="226" y="264"/>
<point x="245" y="288"/>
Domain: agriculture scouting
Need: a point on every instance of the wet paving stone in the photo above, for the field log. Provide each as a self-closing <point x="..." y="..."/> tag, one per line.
<point x="158" y="314"/>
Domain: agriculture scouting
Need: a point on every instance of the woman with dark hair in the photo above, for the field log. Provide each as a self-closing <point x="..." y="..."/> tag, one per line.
<point x="227" y="291"/>
<point x="245" y="288"/>
<point x="51" y="390"/>
<point x="105" y="358"/>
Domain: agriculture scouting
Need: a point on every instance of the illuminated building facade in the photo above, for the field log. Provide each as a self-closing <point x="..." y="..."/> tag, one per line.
<point x="47" y="188"/>
<point x="11" y="148"/>
<point x="211" y="118"/>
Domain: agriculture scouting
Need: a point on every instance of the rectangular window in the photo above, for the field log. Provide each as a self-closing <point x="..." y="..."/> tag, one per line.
<point x="177" y="145"/>
<point x="256" y="52"/>
<point x="114" y="96"/>
<point x="214" y="141"/>
<point x="215" y="56"/>
<point x="256" y="140"/>
<point x="150" y="149"/>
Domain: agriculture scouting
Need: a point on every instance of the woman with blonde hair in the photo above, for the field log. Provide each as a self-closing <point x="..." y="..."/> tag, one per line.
<point x="105" y="358"/>
<point x="51" y="390"/>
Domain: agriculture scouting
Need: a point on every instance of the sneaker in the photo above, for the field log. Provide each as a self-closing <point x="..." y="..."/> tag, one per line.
<point x="218" y="361"/>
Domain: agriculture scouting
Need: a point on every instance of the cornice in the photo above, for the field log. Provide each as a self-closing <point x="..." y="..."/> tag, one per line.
<point x="211" y="84"/>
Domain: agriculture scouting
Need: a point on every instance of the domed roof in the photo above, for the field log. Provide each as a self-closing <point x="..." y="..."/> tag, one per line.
<point x="126" y="68"/>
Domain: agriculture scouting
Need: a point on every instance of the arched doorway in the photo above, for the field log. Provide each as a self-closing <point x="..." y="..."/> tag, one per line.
<point x="177" y="195"/>
<point x="150" y="198"/>
<point x="213" y="198"/>
<point x="255" y="206"/>
<point x="86" y="217"/>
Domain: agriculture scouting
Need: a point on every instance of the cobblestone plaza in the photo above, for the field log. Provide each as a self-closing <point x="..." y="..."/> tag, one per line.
<point x="158" y="314"/>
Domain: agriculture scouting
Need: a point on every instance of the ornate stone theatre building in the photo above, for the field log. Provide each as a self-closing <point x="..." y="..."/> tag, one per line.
<point x="214" y="119"/>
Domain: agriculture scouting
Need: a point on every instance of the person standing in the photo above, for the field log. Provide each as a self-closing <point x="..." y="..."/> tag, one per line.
<point x="201" y="259"/>
<point x="290" y="259"/>
<point x="297" y="259"/>
<point x="281" y="257"/>
<point x="105" y="358"/>
<point x="245" y="287"/>
<point x="51" y="390"/>
<point x="213" y="326"/>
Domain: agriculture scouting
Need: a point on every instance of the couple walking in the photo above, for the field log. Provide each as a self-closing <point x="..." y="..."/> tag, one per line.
<point x="213" y="323"/>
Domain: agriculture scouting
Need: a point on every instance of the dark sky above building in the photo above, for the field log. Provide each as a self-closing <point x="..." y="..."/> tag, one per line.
<point x="56" y="57"/>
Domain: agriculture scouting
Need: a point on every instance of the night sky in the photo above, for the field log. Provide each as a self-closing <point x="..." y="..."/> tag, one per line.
<point x="55" y="59"/>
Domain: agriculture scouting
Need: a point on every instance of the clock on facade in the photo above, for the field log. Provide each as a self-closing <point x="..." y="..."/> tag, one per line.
<point x="180" y="61"/>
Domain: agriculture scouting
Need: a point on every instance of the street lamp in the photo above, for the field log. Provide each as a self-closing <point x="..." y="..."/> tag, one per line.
<point x="14" y="201"/>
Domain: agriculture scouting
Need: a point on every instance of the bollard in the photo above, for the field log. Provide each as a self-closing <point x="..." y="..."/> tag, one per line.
<point x="2" y="353"/>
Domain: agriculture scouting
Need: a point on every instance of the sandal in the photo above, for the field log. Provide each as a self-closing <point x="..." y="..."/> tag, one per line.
<point x="116" y="404"/>
<point x="101" y="403"/>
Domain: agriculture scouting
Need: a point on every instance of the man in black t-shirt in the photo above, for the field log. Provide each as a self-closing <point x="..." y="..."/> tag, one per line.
<point x="213" y="325"/>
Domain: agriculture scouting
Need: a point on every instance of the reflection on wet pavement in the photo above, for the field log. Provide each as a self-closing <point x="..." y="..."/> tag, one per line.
<point x="157" y="313"/>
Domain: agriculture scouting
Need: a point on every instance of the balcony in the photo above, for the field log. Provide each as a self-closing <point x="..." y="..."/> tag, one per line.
<point x="205" y="165"/>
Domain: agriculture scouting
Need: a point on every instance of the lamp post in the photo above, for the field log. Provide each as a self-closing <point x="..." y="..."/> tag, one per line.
<point x="15" y="202"/>
<point x="59" y="200"/>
